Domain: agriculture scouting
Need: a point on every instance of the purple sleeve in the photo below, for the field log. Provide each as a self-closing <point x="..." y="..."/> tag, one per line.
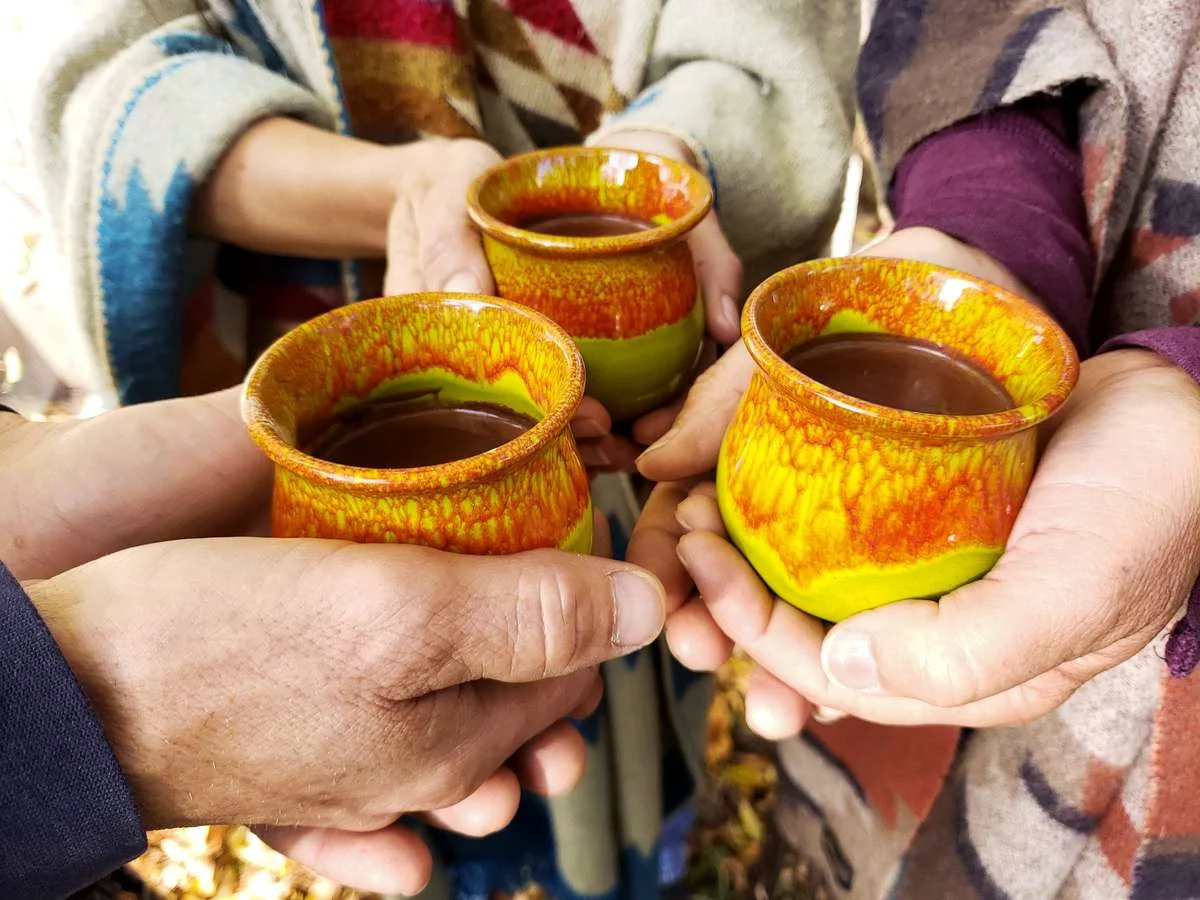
<point x="1009" y="182"/>
<point x="1181" y="346"/>
<point x="68" y="816"/>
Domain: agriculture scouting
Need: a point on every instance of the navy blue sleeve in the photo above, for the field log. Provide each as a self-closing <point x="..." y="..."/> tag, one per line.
<point x="67" y="817"/>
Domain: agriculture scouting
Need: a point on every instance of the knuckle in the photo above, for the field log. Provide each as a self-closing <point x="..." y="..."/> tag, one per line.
<point x="951" y="675"/>
<point x="549" y="631"/>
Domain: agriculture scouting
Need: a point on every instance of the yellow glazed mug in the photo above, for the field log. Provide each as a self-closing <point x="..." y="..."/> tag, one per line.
<point x="631" y="301"/>
<point x="842" y="505"/>
<point x="528" y="493"/>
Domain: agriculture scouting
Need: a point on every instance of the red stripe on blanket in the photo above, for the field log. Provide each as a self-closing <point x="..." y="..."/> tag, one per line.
<point x="429" y="22"/>
<point x="1173" y="807"/>
<point x="555" y="16"/>
<point x="892" y="763"/>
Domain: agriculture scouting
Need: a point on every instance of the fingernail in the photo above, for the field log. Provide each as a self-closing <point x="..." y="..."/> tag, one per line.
<point x="687" y="526"/>
<point x="588" y="429"/>
<point x="849" y="659"/>
<point x="462" y="283"/>
<point x="827" y="715"/>
<point x="640" y="609"/>
<point x="729" y="310"/>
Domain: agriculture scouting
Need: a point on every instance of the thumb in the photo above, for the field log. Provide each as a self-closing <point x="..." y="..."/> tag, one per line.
<point x="690" y="448"/>
<point x="542" y="614"/>
<point x="1056" y="597"/>
<point x="719" y="272"/>
<point x="390" y="860"/>
<point x="432" y="245"/>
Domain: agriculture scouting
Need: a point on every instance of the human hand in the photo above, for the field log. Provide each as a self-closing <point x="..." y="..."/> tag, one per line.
<point x="156" y="472"/>
<point x="690" y="451"/>
<point x="338" y="685"/>
<point x="1100" y="560"/>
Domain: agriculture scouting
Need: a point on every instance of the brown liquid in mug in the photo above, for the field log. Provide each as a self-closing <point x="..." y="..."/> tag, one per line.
<point x="901" y="373"/>
<point x="398" y="433"/>
<point x="587" y="225"/>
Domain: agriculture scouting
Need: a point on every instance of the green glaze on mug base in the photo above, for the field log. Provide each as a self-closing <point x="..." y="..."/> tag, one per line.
<point x="637" y="375"/>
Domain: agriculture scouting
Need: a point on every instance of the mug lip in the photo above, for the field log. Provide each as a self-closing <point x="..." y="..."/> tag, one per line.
<point x="470" y="469"/>
<point x="805" y="389"/>
<point x="562" y="245"/>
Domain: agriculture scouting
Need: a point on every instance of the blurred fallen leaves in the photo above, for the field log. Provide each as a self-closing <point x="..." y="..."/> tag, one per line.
<point x="231" y="863"/>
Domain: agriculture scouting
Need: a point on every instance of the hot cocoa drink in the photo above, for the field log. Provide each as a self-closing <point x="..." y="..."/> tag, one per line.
<point x="405" y="433"/>
<point x="901" y="373"/>
<point x="587" y="225"/>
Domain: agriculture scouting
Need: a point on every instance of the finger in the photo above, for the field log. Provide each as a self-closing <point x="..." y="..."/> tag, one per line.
<point x="529" y="616"/>
<point x="652" y="426"/>
<point x="691" y="446"/>
<point x="610" y="453"/>
<point x="404" y="274"/>
<point x="780" y="638"/>
<point x="655" y="535"/>
<point x="719" y="272"/>
<point x="491" y="722"/>
<point x="591" y="420"/>
<point x="695" y="639"/>
<point x="773" y="710"/>
<point x="601" y="536"/>
<point x="392" y="860"/>
<point x="552" y="763"/>
<point x="590" y="701"/>
<point x="451" y="253"/>
<point x="488" y="809"/>
<point x="699" y="512"/>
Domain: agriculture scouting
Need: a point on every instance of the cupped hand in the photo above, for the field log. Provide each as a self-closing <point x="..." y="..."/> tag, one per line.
<point x="1101" y="558"/>
<point x="337" y="686"/>
<point x="682" y="523"/>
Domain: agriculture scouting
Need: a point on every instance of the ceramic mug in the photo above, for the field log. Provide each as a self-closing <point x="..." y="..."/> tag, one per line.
<point x="842" y="505"/>
<point x="528" y="493"/>
<point x="631" y="301"/>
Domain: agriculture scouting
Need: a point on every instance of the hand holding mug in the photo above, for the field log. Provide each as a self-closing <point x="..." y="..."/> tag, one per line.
<point x="1055" y="581"/>
<point x="337" y="686"/>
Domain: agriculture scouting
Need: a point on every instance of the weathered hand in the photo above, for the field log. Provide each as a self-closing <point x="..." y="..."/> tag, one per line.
<point x="337" y="686"/>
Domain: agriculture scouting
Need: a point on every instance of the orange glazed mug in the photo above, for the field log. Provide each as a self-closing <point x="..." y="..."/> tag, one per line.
<point x="631" y="301"/>
<point x="528" y="493"/>
<point x="843" y="505"/>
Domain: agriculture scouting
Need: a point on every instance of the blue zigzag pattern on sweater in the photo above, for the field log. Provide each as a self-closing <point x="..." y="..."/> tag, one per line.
<point x="141" y="254"/>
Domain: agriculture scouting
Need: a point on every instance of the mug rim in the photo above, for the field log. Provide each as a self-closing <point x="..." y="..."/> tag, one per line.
<point x="566" y="246"/>
<point x="264" y="430"/>
<point x="808" y="390"/>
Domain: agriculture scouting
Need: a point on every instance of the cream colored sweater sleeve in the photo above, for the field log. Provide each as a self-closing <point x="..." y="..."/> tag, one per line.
<point x="762" y="90"/>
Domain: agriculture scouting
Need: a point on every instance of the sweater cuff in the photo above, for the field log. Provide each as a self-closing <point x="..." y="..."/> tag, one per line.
<point x="69" y="816"/>
<point x="172" y="127"/>
<point x="1010" y="184"/>
<point x="1181" y="346"/>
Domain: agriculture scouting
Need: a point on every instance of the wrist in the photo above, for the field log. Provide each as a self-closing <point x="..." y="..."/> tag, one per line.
<point x="95" y="652"/>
